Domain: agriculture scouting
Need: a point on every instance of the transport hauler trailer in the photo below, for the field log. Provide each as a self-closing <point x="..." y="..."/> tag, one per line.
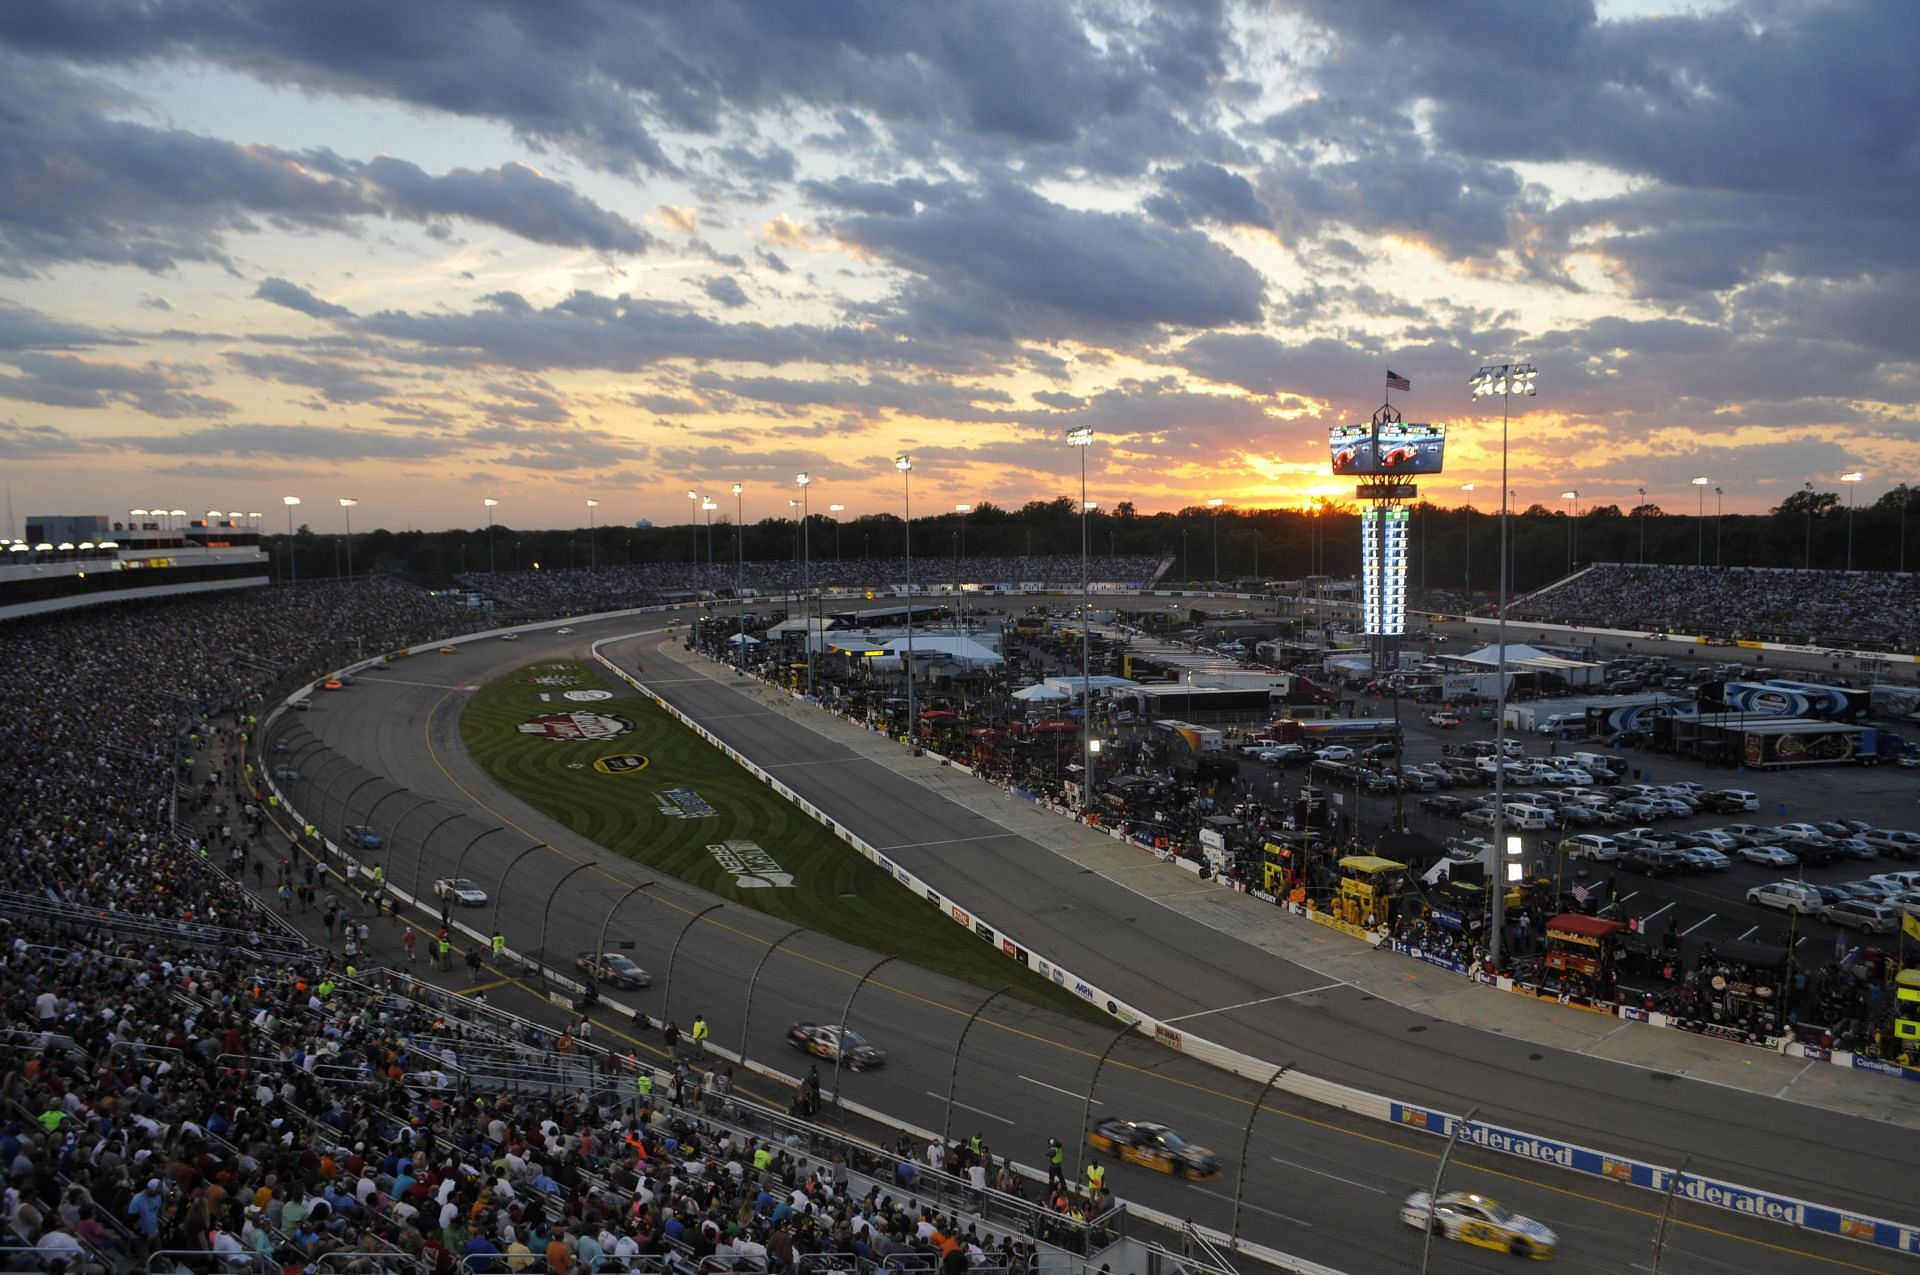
<point x="1768" y="743"/>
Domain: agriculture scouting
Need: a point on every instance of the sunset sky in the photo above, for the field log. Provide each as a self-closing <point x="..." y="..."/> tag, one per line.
<point x="426" y="253"/>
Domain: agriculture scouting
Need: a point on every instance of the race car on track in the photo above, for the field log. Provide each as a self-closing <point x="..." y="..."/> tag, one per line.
<point x="823" y="1040"/>
<point x="616" y="968"/>
<point x="1474" y="1219"/>
<point x="1154" y="1146"/>
<point x="466" y="893"/>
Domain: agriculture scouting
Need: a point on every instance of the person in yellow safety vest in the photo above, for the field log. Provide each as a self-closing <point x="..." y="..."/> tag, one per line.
<point x="499" y="945"/>
<point x="700" y="1033"/>
<point x="1096" y="1177"/>
<point x="643" y="1082"/>
<point x="379" y="876"/>
<point x="973" y="1145"/>
<point x="762" y="1157"/>
<point x="443" y="948"/>
<point x="325" y="989"/>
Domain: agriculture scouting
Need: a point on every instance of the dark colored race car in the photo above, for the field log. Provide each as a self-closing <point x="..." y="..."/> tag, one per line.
<point x="1154" y="1146"/>
<point x="823" y="1040"/>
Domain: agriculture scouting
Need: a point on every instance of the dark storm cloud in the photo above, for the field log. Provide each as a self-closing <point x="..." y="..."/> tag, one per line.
<point x="64" y="380"/>
<point x="76" y="185"/>
<point x="337" y="382"/>
<point x="22" y="328"/>
<point x="1764" y="137"/>
<point x="289" y="442"/>
<point x="725" y="289"/>
<point x="614" y="333"/>
<point x="874" y="396"/>
<point x="513" y="197"/>
<point x="283" y="292"/>
<point x="1198" y="193"/>
<point x="599" y="77"/>
<point x="1042" y="265"/>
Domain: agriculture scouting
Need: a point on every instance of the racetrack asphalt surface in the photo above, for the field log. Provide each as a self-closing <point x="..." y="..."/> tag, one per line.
<point x="1320" y="1184"/>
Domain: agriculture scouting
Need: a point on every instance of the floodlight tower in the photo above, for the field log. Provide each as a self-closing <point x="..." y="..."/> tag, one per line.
<point x="1506" y="380"/>
<point x="1082" y="438"/>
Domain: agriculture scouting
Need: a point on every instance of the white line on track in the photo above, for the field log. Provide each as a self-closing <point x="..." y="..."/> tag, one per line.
<point x="1697" y="924"/>
<point x="1221" y="1009"/>
<point x="725" y="717"/>
<point x="1749" y="934"/>
<point x="1057" y="1089"/>
<point x="432" y="686"/>
<point x="1255" y="1208"/>
<point x="824" y="761"/>
<point x="1782" y="1091"/>
<point x="940" y="1097"/>
<point x="952" y="841"/>
<point x="1656" y="912"/>
<point x="1307" y="1168"/>
<point x="1308" y="991"/>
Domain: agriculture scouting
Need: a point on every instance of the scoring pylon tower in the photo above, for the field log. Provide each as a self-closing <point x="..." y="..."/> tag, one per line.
<point x="1384" y="519"/>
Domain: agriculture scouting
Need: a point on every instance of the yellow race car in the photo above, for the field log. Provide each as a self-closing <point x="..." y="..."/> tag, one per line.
<point x="1156" y="1147"/>
<point x="1475" y="1219"/>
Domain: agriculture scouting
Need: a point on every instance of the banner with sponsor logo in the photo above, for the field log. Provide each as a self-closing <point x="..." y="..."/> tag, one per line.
<point x="1730" y="1196"/>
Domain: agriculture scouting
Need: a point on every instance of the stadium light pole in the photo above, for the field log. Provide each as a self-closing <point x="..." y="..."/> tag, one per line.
<point x="959" y="551"/>
<point x="836" y="511"/>
<point x="806" y="568"/>
<point x="1573" y="528"/>
<point x="1082" y="438"/>
<point x="1851" y="480"/>
<point x="693" y="508"/>
<point x="490" y="502"/>
<point x="346" y="509"/>
<point x="1717" y="509"/>
<point x="707" y="505"/>
<point x="1469" y="489"/>
<point x="1700" y="521"/>
<point x="1807" y="565"/>
<point x="739" y="577"/>
<point x="293" y="566"/>
<point x="905" y="465"/>
<point x="1640" y="512"/>
<point x="593" y="561"/>
<point x="1214" y="503"/>
<point x="1506" y="380"/>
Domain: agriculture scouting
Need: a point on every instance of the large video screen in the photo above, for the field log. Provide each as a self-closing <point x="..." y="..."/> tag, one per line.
<point x="1391" y="449"/>
<point x="1352" y="449"/>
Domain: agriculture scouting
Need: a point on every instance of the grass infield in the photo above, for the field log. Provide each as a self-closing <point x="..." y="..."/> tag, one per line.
<point x="637" y="810"/>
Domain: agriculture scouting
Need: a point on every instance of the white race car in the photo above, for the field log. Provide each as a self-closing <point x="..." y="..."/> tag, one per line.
<point x="467" y="894"/>
<point x="1475" y="1219"/>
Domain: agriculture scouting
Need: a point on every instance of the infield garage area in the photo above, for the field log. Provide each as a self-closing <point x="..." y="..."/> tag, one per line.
<point x="616" y="768"/>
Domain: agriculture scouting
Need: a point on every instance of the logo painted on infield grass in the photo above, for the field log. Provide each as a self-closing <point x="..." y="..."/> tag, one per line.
<point x="752" y="867"/>
<point x="620" y="763"/>
<point x="685" y="803"/>
<point x="586" y="697"/>
<point x="576" y="725"/>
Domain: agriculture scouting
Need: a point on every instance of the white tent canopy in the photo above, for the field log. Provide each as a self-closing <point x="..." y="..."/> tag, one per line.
<point x="1040" y="692"/>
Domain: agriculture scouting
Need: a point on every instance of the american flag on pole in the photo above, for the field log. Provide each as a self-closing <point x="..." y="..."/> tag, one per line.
<point x="1580" y="891"/>
<point x="1397" y="382"/>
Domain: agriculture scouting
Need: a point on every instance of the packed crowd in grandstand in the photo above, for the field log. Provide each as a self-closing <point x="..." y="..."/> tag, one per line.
<point x="1873" y="610"/>
<point x="557" y="592"/>
<point x="193" y="1084"/>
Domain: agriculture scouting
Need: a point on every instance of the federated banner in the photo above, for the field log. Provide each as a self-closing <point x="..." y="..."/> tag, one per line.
<point x="1745" y="1200"/>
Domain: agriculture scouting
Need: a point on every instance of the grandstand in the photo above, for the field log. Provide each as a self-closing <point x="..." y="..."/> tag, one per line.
<point x="194" y="1085"/>
<point x="1861" y="610"/>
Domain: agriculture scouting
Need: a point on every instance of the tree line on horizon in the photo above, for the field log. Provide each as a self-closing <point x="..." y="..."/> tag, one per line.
<point x="1449" y="548"/>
